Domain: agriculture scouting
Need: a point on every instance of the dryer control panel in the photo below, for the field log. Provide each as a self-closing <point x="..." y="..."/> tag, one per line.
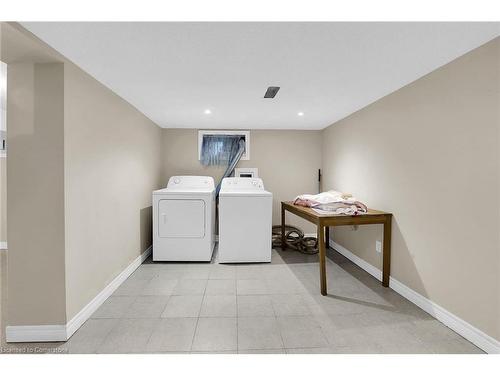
<point x="191" y="182"/>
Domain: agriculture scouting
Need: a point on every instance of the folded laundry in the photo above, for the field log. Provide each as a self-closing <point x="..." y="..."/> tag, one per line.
<point x="332" y="202"/>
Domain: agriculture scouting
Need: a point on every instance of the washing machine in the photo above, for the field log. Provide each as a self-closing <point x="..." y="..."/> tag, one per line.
<point x="184" y="219"/>
<point x="245" y="221"/>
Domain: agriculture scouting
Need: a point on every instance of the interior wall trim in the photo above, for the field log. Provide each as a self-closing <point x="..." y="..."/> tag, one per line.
<point x="44" y="333"/>
<point x="460" y="326"/>
<point x="40" y="333"/>
<point x="85" y="313"/>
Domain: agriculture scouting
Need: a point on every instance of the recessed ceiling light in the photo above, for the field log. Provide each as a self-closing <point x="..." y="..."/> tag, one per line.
<point x="207" y="111"/>
<point x="300" y="113"/>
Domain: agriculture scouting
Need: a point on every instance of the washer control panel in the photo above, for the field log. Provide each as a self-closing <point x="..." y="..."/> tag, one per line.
<point x="242" y="183"/>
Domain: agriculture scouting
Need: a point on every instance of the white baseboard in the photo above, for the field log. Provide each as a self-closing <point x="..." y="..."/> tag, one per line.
<point x="460" y="326"/>
<point x="3" y="245"/>
<point x="40" y="333"/>
<point x="85" y="313"/>
<point x="372" y="270"/>
<point x="64" y="332"/>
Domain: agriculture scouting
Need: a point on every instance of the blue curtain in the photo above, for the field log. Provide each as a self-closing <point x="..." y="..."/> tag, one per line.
<point x="235" y="158"/>
<point x="222" y="150"/>
<point x="219" y="149"/>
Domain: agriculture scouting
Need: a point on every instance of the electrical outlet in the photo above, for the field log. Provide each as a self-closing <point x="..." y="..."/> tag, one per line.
<point x="378" y="246"/>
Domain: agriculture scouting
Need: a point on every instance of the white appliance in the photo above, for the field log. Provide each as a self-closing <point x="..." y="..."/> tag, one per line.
<point x="184" y="219"/>
<point x="245" y="221"/>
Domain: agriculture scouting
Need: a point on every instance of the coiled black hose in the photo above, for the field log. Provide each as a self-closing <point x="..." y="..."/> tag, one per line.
<point x="295" y="239"/>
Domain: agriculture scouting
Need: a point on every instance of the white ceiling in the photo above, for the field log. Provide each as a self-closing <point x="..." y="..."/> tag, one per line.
<point x="173" y="72"/>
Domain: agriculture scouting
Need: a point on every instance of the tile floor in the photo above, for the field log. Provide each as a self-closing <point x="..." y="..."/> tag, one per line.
<point x="258" y="308"/>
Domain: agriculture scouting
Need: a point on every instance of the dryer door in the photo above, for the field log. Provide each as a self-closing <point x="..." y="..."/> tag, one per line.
<point x="183" y="218"/>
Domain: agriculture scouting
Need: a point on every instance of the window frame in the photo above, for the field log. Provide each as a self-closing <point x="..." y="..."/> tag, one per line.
<point x="243" y="133"/>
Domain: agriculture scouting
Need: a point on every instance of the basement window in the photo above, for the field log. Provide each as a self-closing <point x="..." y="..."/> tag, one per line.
<point x="214" y="146"/>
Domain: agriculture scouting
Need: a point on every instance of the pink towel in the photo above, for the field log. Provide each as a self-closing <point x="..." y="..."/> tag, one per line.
<point x="332" y="201"/>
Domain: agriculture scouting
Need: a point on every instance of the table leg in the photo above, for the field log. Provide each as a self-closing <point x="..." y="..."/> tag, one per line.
<point x="386" y="268"/>
<point x="322" y="258"/>
<point x="283" y="238"/>
<point x="327" y="237"/>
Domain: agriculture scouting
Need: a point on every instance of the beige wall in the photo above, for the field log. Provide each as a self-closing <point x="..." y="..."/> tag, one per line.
<point x="112" y="164"/>
<point x="81" y="168"/>
<point x="3" y="161"/>
<point x="35" y="182"/>
<point x="288" y="162"/>
<point x="3" y="199"/>
<point x="429" y="153"/>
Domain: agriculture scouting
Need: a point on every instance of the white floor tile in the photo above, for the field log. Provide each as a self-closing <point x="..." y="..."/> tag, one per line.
<point x="218" y="306"/>
<point x="301" y="332"/>
<point x="128" y="336"/>
<point x="250" y="272"/>
<point x="114" y="307"/>
<point x="159" y="286"/>
<point x="147" y="307"/>
<point x="289" y="305"/>
<point x="258" y="333"/>
<point x="183" y="307"/>
<point x="262" y="351"/>
<point x="131" y="287"/>
<point x="250" y="287"/>
<point x="190" y="287"/>
<point x="221" y="287"/>
<point x="196" y="273"/>
<point x="215" y="334"/>
<point x="90" y="335"/>
<point x="172" y="335"/>
<point x="255" y="305"/>
<point x="223" y="272"/>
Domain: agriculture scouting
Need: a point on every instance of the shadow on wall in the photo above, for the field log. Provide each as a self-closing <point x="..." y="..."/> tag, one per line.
<point x="405" y="259"/>
<point x="146" y="227"/>
<point x="361" y="243"/>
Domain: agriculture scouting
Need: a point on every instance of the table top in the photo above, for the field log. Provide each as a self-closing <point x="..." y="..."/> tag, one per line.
<point x="311" y="214"/>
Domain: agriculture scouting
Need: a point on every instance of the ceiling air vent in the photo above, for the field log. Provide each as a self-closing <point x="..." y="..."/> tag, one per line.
<point x="271" y="92"/>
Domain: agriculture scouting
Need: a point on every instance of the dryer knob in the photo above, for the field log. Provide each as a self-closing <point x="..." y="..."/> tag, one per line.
<point x="176" y="181"/>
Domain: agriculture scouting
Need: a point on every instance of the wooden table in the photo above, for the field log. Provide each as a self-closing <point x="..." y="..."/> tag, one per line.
<point x="324" y="221"/>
